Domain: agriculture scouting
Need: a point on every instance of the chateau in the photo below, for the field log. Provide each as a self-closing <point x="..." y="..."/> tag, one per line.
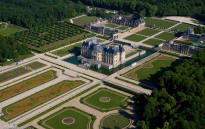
<point x="190" y="35"/>
<point x="101" y="55"/>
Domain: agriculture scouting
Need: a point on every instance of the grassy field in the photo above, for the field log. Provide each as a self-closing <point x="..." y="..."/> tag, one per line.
<point x="182" y="27"/>
<point x="105" y="100"/>
<point x="135" y="38"/>
<point x="27" y="85"/>
<point x="159" y="23"/>
<point x="153" y="42"/>
<point x="67" y="50"/>
<point x="10" y="29"/>
<point x="111" y="25"/>
<point x="30" y="102"/>
<point x="20" y="71"/>
<point x="122" y="28"/>
<point x="81" y="21"/>
<point x="31" y="127"/>
<point x="78" y="119"/>
<point x="115" y="121"/>
<point x="130" y="54"/>
<point x="148" y="32"/>
<point x="166" y="36"/>
<point x="146" y="70"/>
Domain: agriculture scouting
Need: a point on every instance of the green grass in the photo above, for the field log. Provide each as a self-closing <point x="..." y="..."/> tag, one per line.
<point x="122" y="28"/>
<point x="182" y="27"/>
<point x="11" y="29"/>
<point x="115" y="121"/>
<point x="166" y="36"/>
<point x="153" y="42"/>
<point x="135" y="38"/>
<point x="31" y="127"/>
<point x="159" y="23"/>
<point x="81" y="21"/>
<point x="67" y="50"/>
<point x="148" y="32"/>
<point x="146" y="70"/>
<point x="117" y="100"/>
<point x="83" y="120"/>
<point x="111" y="25"/>
<point x="11" y="74"/>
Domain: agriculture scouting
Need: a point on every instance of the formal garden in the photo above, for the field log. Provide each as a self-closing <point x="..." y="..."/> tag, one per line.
<point x="68" y="118"/>
<point x="11" y="74"/>
<point x="146" y="70"/>
<point x="50" y="37"/>
<point x="148" y="32"/>
<point x="115" y="121"/>
<point x="27" y="85"/>
<point x="166" y="36"/>
<point x="153" y="42"/>
<point x="135" y="38"/>
<point x="110" y="25"/>
<point x="164" y="24"/>
<point x="32" y="101"/>
<point x="105" y="100"/>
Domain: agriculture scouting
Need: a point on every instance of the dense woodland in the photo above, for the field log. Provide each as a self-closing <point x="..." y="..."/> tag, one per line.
<point x="194" y="8"/>
<point x="180" y="102"/>
<point x="32" y="13"/>
<point x="10" y="49"/>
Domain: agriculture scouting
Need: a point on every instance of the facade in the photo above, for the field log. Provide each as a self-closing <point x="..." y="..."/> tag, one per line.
<point x="179" y="48"/>
<point x="100" y="55"/>
<point x="131" y="21"/>
<point x="190" y="35"/>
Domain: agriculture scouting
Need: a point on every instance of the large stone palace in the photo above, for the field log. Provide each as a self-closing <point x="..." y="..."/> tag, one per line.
<point x="101" y="55"/>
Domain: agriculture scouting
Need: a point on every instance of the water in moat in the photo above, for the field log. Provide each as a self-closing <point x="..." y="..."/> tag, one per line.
<point x="75" y="61"/>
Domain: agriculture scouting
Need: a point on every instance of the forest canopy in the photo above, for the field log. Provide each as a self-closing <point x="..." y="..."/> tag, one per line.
<point x="180" y="102"/>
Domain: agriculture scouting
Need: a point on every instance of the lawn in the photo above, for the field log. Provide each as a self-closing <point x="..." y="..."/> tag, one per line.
<point x="130" y="54"/>
<point x="148" y="32"/>
<point x="111" y="25"/>
<point x="10" y="29"/>
<point x="146" y="70"/>
<point x="135" y="38"/>
<point x="159" y="23"/>
<point x="67" y="50"/>
<point x="27" y="85"/>
<point x="31" y="127"/>
<point x="153" y="42"/>
<point x="166" y="36"/>
<point x="105" y="100"/>
<point x="11" y="74"/>
<point x="13" y="110"/>
<point x="182" y="27"/>
<point x="115" y="121"/>
<point x="84" y="20"/>
<point x="122" y="28"/>
<point x="68" y="118"/>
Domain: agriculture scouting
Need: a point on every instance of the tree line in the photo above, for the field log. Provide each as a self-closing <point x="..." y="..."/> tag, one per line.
<point x="180" y="102"/>
<point x="154" y="7"/>
<point x="32" y="13"/>
<point x="11" y="50"/>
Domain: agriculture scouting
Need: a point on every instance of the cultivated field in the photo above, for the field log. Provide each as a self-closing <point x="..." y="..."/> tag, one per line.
<point x="146" y="70"/>
<point x="81" y="21"/>
<point x="68" y="118"/>
<point x="148" y="32"/>
<point x="166" y="36"/>
<point x="115" y="121"/>
<point x="135" y="38"/>
<point x="159" y="23"/>
<point x="153" y="42"/>
<point x="67" y="50"/>
<point x="20" y="71"/>
<point x="9" y="29"/>
<point x="105" y="100"/>
<point x="46" y="38"/>
<point x="30" y="102"/>
<point x="27" y="85"/>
